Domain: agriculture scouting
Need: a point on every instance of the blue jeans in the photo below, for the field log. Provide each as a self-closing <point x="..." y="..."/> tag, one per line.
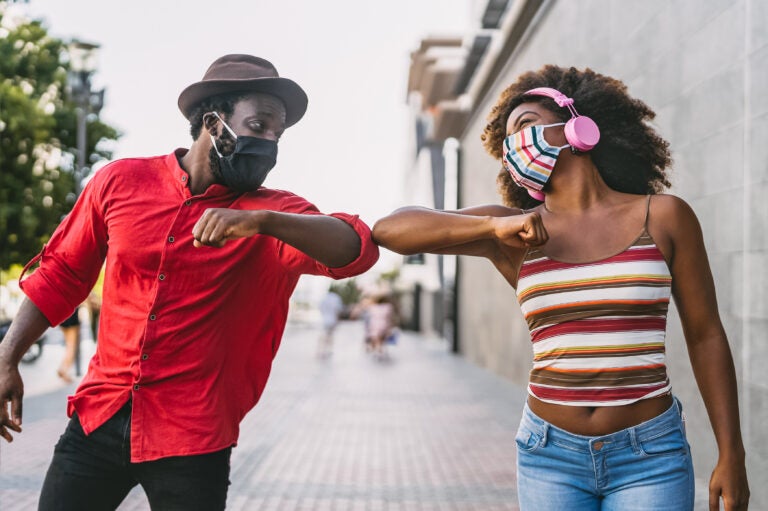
<point x="645" y="467"/>
<point x="94" y="473"/>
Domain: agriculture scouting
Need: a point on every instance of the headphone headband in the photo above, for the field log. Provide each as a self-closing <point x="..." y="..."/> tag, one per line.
<point x="561" y="99"/>
<point x="580" y="131"/>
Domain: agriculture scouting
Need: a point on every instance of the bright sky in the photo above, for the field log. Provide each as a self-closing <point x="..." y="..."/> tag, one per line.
<point x="350" y="56"/>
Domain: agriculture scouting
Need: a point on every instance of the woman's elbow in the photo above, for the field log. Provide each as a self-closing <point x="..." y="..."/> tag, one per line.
<point x="385" y="233"/>
<point x="381" y="231"/>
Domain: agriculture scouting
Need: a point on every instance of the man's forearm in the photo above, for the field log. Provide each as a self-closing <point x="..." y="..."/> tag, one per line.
<point x="329" y="240"/>
<point x="28" y="325"/>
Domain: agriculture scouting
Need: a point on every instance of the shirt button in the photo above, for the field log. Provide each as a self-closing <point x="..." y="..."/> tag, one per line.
<point x="184" y="179"/>
<point x="171" y="239"/>
<point x="144" y="356"/>
<point x="188" y="203"/>
<point x="152" y="317"/>
<point x="135" y="387"/>
<point x="161" y="276"/>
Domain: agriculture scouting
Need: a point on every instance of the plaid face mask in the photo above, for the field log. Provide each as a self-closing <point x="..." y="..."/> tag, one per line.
<point x="529" y="159"/>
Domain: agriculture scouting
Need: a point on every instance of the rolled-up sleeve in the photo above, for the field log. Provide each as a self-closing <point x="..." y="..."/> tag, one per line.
<point x="299" y="262"/>
<point x="71" y="261"/>
<point x="369" y="251"/>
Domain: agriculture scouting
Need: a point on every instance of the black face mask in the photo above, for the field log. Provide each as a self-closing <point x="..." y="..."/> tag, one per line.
<point x="247" y="167"/>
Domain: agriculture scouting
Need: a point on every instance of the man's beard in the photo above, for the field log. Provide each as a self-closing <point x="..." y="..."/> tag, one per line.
<point x="213" y="162"/>
<point x="226" y="147"/>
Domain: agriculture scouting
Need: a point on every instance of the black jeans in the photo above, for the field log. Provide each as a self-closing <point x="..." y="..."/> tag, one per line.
<point x="94" y="473"/>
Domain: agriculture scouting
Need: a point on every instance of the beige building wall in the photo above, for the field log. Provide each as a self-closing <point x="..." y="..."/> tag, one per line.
<point x="702" y="65"/>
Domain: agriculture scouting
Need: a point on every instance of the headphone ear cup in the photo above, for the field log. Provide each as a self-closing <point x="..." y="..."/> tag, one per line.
<point x="582" y="133"/>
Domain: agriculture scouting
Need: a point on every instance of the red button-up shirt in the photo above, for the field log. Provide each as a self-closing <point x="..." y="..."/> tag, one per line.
<point x="188" y="334"/>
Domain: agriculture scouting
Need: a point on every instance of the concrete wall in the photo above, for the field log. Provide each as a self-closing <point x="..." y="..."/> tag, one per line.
<point x="703" y="66"/>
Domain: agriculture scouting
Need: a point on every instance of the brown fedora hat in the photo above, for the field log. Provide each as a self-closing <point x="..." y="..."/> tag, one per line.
<point x="245" y="73"/>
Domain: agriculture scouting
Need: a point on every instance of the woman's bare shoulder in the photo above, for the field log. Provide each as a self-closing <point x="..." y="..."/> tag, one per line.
<point x="672" y="211"/>
<point x="674" y="226"/>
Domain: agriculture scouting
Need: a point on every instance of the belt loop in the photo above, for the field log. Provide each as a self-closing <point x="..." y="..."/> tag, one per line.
<point x="634" y="441"/>
<point x="679" y="406"/>
<point x="544" y="435"/>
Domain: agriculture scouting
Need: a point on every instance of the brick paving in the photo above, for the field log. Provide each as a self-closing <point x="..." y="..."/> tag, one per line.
<point x="423" y="431"/>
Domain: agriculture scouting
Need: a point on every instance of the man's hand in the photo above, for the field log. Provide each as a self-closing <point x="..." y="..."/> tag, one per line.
<point x="218" y="225"/>
<point x="28" y="325"/>
<point x="11" y="392"/>
<point x="526" y="230"/>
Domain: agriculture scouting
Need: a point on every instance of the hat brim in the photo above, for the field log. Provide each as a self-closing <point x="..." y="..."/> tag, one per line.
<point x="293" y="97"/>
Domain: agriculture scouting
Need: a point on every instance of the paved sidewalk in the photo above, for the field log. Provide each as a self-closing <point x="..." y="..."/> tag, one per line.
<point x="424" y="430"/>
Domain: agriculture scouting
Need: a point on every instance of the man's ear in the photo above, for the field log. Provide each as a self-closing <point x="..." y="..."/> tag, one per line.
<point x="210" y="122"/>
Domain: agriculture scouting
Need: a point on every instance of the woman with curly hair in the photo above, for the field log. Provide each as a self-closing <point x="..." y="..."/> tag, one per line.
<point x="595" y="251"/>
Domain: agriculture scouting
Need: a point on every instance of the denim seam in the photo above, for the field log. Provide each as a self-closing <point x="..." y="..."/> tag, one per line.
<point x="570" y="447"/>
<point x="672" y="428"/>
<point x="594" y="472"/>
<point x="684" y="450"/>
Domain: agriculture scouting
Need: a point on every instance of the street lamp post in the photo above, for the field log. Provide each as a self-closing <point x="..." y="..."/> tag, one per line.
<point x="82" y="65"/>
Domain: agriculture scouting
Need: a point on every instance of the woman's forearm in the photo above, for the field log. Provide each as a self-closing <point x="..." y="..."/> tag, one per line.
<point x="413" y="230"/>
<point x="713" y="368"/>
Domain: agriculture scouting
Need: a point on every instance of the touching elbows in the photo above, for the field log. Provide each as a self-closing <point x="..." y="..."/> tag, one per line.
<point x="389" y="232"/>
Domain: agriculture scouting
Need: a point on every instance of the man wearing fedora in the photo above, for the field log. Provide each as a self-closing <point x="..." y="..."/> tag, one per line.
<point x="201" y="260"/>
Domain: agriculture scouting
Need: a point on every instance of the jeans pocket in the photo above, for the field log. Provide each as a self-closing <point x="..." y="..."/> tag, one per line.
<point x="669" y="443"/>
<point x="527" y="440"/>
<point x="72" y="433"/>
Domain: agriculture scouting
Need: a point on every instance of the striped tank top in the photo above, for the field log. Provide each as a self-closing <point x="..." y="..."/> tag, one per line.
<point x="597" y="328"/>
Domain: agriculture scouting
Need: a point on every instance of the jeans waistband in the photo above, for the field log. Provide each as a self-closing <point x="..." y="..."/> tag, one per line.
<point x="645" y="431"/>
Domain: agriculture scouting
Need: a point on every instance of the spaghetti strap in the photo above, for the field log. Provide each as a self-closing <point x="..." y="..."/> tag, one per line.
<point x="647" y="213"/>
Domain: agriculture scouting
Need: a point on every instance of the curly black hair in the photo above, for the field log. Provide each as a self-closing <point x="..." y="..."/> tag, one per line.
<point x="631" y="156"/>
<point x="223" y="104"/>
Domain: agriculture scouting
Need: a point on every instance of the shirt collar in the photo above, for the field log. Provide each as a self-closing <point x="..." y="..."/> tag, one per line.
<point x="181" y="177"/>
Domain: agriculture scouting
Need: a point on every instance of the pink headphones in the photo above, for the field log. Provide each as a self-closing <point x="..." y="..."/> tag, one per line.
<point x="580" y="131"/>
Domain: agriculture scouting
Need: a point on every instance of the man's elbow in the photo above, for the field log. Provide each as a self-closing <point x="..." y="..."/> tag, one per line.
<point x="348" y="247"/>
<point x="353" y="245"/>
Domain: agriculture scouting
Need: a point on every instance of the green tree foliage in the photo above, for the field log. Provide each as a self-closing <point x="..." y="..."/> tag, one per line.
<point x="38" y="129"/>
<point x="348" y="291"/>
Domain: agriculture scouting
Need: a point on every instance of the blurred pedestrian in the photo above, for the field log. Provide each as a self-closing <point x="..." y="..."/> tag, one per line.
<point x="595" y="252"/>
<point x="331" y="307"/>
<point x="70" y="329"/>
<point x="359" y="311"/>
<point x="202" y="262"/>
<point x="93" y="303"/>
<point x="380" y="323"/>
